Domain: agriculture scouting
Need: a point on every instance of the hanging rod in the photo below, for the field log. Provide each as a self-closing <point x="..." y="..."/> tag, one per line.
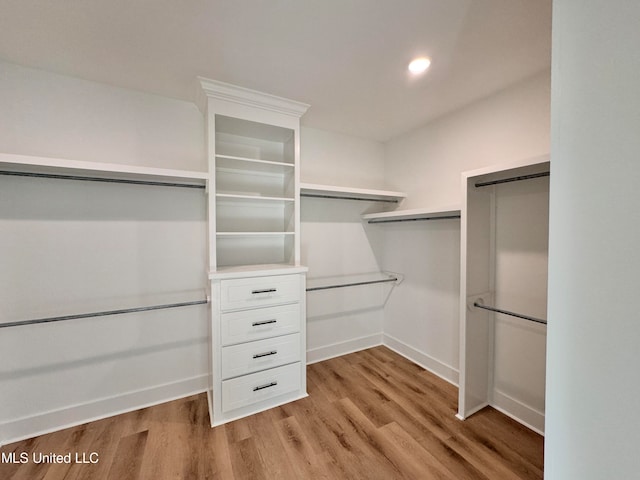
<point x="99" y="179"/>
<point x="513" y="179"/>
<point x="506" y="312"/>
<point x="314" y="195"/>
<point x="353" y="284"/>
<point x="448" y="217"/>
<point x="101" y="314"/>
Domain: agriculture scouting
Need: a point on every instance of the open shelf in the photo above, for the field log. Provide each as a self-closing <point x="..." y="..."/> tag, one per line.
<point x="349" y="193"/>
<point x="256" y="270"/>
<point x="62" y="168"/>
<point x="252" y="164"/>
<point x="253" y="234"/>
<point x="448" y="212"/>
<point x="253" y="198"/>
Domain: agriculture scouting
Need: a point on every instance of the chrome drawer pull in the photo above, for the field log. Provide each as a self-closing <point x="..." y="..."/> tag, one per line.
<point x="266" y="290"/>
<point x="264" y="322"/>
<point x="261" y="387"/>
<point x="266" y="354"/>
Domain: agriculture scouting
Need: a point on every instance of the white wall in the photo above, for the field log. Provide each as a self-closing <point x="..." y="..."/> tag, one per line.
<point x="510" y="125"/>
<point x="520" y="279"/>
<point x="55" y="116"/>
<point x="593" y="384"/>
<point x="74" y="247"/>
<point x="336" y="242"/>
<point x="421" y="316"/>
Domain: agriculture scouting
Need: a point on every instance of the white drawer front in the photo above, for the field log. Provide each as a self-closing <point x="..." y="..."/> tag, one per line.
<point x="259" y="292"/>
<point x="248" y="325"/>
<point x="243" y="391"/>
<point x="254" y="356"/>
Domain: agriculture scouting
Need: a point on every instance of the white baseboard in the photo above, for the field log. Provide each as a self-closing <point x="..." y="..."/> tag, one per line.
<point x="524" y="414"/>
<point x="435" y="366"/>
<point x="343" y="348"/>
<point x="51" y="421"/>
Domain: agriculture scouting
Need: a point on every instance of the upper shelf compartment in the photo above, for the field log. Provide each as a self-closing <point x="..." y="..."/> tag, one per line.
<point x="258" y="144"/>
<point x="348" y="193"/>
<point x="452" y="211"/>
<point x="32" y="166"/>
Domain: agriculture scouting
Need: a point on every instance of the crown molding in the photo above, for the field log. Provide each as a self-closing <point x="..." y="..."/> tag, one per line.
<point x="246" y="96"/>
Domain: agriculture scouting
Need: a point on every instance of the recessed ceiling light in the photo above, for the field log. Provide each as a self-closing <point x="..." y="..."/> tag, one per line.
<point x="419" y="65"/>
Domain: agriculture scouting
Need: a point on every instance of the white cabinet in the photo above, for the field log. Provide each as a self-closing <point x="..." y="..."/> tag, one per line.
<point x="258" y="339"/>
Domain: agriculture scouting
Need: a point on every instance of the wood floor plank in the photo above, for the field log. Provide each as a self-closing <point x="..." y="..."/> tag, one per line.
<point x="128" y="459"/>
<point x="246" y="461"/>
<point x="299" y="450"/>
<point x="369" y="415"/>
<point x="385" y="447"/>
<point x="272" y="450"/>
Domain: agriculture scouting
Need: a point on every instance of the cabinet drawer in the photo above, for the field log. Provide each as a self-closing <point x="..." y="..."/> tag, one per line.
<point x="259" y="292"/>
<point x="254" y="356"/>
<point x="245" y="326"/>
<point x="243" y="391"/>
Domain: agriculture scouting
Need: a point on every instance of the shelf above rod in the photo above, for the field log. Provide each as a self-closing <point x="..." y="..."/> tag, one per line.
<point x="101" y="314"/>
<point x="101" y="179"/>
<point x="506" y="312"/>
<point x="341" y="197"/>
<point x="350" y="193"/>
<point x="353" y="282"/>
<point x="513" y="179"/>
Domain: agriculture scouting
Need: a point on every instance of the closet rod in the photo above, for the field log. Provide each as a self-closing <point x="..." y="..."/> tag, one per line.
<point x="101" y="314"/>
<point x="353" y="284"/>
<point x="448" y="217"/>
<point x="506" y="312"/>
<point x="99" y="179"/>
<point x="513" y="179"/>
<point x="313" y="195"/>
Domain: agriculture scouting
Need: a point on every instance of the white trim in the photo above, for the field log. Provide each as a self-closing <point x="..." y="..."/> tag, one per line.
<point x="473" y="411"/>
<point x="251" y="98"/>
<point x="433" y="365"/>
<point x="501" y="167"/>
<point x="343" y="348"/>
<point x="520" y="412"/>
<point x="46" y="422"/>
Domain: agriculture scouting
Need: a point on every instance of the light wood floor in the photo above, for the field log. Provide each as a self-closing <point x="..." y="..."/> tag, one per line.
<point x="369" y="415"/>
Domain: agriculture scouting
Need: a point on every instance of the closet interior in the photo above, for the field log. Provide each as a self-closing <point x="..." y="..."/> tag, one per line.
<point x="504" y="249"/>
<point x="238" y="266"/>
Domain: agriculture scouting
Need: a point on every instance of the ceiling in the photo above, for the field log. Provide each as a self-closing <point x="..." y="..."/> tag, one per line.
<point x="347" y="58"/>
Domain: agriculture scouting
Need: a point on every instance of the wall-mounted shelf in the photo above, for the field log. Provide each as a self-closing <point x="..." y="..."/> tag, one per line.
<point x="326" y="283"/>
<point x="27" y="165"/>
<point x="442" y="213"/>
<point x="348" y="193"/>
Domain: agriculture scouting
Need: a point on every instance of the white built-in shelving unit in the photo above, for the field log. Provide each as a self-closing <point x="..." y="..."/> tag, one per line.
<point x="255" y="166"/>
<point x="257" y="285"/>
